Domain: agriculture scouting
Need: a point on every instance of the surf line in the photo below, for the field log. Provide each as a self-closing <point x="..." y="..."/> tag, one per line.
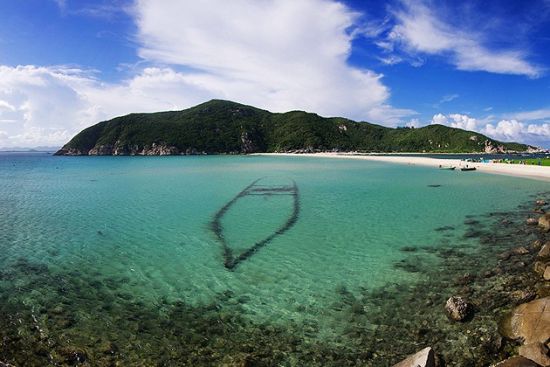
<point x="230" y="260"/>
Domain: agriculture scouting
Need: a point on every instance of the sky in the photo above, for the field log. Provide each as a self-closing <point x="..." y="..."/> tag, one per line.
<point x="477" y="65"/>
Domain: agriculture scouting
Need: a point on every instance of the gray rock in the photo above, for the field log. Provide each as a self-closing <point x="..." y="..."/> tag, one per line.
<point x="424" y="358"/>
<point x="457" y="308"/>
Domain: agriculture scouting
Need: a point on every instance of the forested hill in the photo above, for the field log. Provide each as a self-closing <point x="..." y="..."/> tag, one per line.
<point x="227" y="127"/>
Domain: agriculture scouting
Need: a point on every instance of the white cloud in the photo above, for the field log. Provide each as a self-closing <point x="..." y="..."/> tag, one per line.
<point x="448" y="98"/>
<point x="537" y="134"/>
<point x="4" y="105"/>
<point x="413" y="123"/>
<point x="280" y="55"/>
<point x="541" y="114"/>
<point x="504" y="130"/>
<point x="419" y="29"/>
<point x="50" y="105"/>
<point x="440" y="119"/>
<point x="37" y="100"/>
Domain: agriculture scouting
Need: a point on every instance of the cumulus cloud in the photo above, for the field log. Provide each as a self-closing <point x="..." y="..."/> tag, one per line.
<point x="48" y="105"/>
<point x="457" y="120"/>
<point x="419" y="29"/>
<point x="280" y="55"/>
<point x="537" y="134"/>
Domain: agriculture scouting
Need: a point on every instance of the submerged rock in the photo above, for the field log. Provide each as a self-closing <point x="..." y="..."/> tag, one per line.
<point x="72" y="355"/>
<point x="517" y="361"/>
<point x="532" y="221"/>
<point x="522" y="296"/>
<point x="424" y="358"/>
<point x="457" y="308"/>
<point x="520" y="251"/>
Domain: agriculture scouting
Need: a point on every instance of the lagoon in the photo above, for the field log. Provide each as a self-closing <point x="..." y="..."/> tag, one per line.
<point x="114" y="258"/>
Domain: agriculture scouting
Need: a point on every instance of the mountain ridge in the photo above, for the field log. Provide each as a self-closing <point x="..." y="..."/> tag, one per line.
<point x="225" y="127"/>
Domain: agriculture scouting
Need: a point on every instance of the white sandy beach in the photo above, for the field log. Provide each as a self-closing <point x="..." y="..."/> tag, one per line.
<point x="527" y="171"/>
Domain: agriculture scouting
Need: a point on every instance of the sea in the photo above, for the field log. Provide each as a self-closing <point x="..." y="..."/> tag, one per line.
<point x="107" y="259"/>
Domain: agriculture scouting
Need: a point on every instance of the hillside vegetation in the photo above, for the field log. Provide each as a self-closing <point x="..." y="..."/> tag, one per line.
<point x="226" y="127"/>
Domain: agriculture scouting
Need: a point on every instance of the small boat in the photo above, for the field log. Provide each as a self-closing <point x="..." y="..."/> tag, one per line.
<point x="468" y="169"/>
<point x="447" y="168"/>
<point x="264" y="196"/>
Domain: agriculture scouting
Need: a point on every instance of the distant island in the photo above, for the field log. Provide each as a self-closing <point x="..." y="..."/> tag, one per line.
<point x="224" y="127"/>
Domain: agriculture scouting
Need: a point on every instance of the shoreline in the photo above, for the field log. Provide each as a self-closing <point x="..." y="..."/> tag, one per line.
<point x="540" y="173"/>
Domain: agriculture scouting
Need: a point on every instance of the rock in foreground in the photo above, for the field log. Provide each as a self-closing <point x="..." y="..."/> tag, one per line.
<point x="530" y="323"/>
<point x="517" y="362"/>
<point x="424" y="358"/>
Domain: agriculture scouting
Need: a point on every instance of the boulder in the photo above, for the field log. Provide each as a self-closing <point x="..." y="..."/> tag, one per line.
<point x="539" y="267"/>
<point x="457" y="308"/>
<point x="537" y="352"/>
<point x="532" y="221"/>
<point x="544" y="251"/>
<point x="529" y="322"/>
<point x="540" y="202"/>
<point x="544" y="222"/>
<point x="516" y="362"/>
<point x="546" y="274"/>
<point x="424" y="358"/>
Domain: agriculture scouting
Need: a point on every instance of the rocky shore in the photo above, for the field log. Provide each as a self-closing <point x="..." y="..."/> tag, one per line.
<point x="524" y="330"/>
<point x="482" y="300"/>
<point x="154" y="149"/>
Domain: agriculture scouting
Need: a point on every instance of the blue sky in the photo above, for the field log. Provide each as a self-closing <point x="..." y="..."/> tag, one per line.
<point x="483" y="66"/>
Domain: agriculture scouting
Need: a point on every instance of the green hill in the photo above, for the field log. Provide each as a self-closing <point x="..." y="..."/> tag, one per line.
<point x="227" y="127"/>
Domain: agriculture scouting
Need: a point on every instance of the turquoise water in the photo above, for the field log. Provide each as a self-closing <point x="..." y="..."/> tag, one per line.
<point x="142" y="229"/>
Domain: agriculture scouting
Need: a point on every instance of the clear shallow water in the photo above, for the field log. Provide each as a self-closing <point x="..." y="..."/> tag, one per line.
<point x="141" y="227"/>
